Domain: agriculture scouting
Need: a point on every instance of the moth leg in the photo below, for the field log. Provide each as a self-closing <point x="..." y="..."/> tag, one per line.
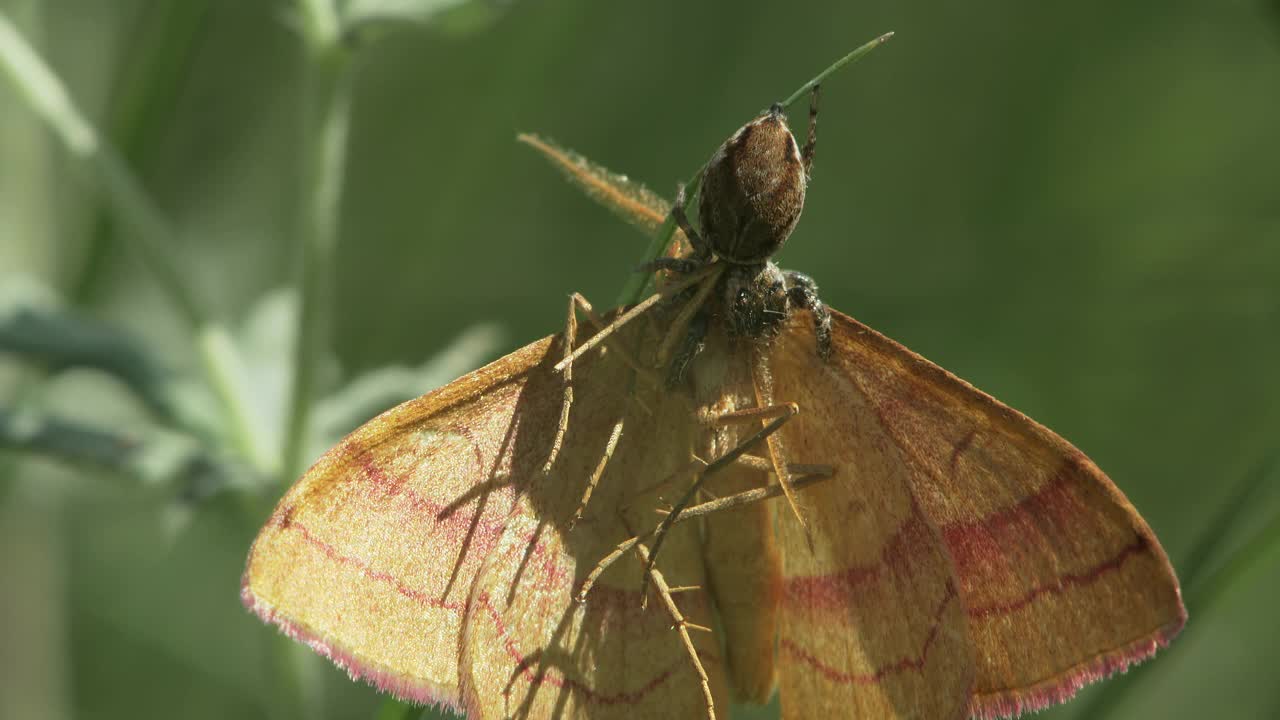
<point x="689" y="349"/>
<point x="796" y="470"/>
<point x="811" y="143"/>
<point x="570" y="337"/>
<point x="599" y="471"/>
<point x="607" y="330"/>
<point x="604" y="330"/>
<point x="682" y="626"/>
<point x="683" y="588"/>
<point x="686" y="316"/>
<point x="783" y="414"/>
<point x="803" y="472"/>
<point x="806" y="475"/>
<point x="749" y="414"/>
<point x="803" y="292"/>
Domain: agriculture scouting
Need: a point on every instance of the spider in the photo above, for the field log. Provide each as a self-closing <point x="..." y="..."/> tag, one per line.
<point x="752" y="194"/>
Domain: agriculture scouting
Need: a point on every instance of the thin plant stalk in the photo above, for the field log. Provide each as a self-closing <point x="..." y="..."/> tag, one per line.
<point x="150" y="231"/>
<point x="326" y="119"/>
<point x="326" y="106"/>
<point x="852" y="57"/>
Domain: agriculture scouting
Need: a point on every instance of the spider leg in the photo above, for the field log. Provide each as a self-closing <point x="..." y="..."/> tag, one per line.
<point x="811" y="143"/>
<point x="803" y="292"/>
<point x="700" y="248"/>
<point x="683" y="266"/>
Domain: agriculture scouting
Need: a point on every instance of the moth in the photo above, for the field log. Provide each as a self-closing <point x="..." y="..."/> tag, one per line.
<point x="724" y="491"/>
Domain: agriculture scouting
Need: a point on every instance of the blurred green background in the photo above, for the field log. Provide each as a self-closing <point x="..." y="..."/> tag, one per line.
<point x="1074" y="206"/>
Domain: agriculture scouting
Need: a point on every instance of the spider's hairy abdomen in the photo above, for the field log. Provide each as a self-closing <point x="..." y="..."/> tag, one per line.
<point x="753" y="191"/>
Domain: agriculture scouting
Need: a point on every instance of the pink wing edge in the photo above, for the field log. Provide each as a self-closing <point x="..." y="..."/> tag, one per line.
<point x="418" y="692"/>
<point x="1012" y="703"/>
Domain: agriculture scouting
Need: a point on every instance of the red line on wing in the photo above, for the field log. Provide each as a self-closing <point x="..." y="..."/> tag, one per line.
<point x="454" y="525"/>
<point x="1053" y="501"/>
<point x="904" y="664"/>
<point x="523" y="661"/>
<point x="602" y="598"/>
<point x="331" y="552"/>
<point x="834" y="590"/>
<point x="1065" y="581"/>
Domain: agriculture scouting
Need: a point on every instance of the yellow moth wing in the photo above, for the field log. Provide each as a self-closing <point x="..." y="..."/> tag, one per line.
<point x="1059" y="581"/>
<point x="744" y="568"/>
<point x="871" y="623"/>
<point x="532" y="650"/>
<point x="369" y="557"/>
<point x="429" y="555"/>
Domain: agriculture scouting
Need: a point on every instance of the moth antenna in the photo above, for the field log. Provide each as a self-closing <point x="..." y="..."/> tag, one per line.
<point x="729" y="502"/>
<point x="682" y="626"/>
<point x="595" y="476"/>
<point x="632" y="201"/>
<point x="685" y="316"/>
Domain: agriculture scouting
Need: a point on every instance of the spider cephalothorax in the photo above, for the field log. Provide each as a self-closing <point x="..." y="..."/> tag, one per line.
<point x="752" y="194"/>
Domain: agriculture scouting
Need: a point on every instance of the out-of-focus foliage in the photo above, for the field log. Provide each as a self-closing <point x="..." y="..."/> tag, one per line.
<point x="1071" y="205"/>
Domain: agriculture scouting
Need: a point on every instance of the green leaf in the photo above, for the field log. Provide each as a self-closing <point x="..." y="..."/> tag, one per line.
<point x="40" y="332"/>
<point x="154" y="458"/>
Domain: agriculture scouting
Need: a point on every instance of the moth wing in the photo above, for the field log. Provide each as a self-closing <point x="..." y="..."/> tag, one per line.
<point x="530" y="650"/>
<point x="744" y="570"/>
<point x="428" y="554"/>
<point x="1060" y="581"/>
<point x="870" y="619"/>
<point x="369" y="558"/>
